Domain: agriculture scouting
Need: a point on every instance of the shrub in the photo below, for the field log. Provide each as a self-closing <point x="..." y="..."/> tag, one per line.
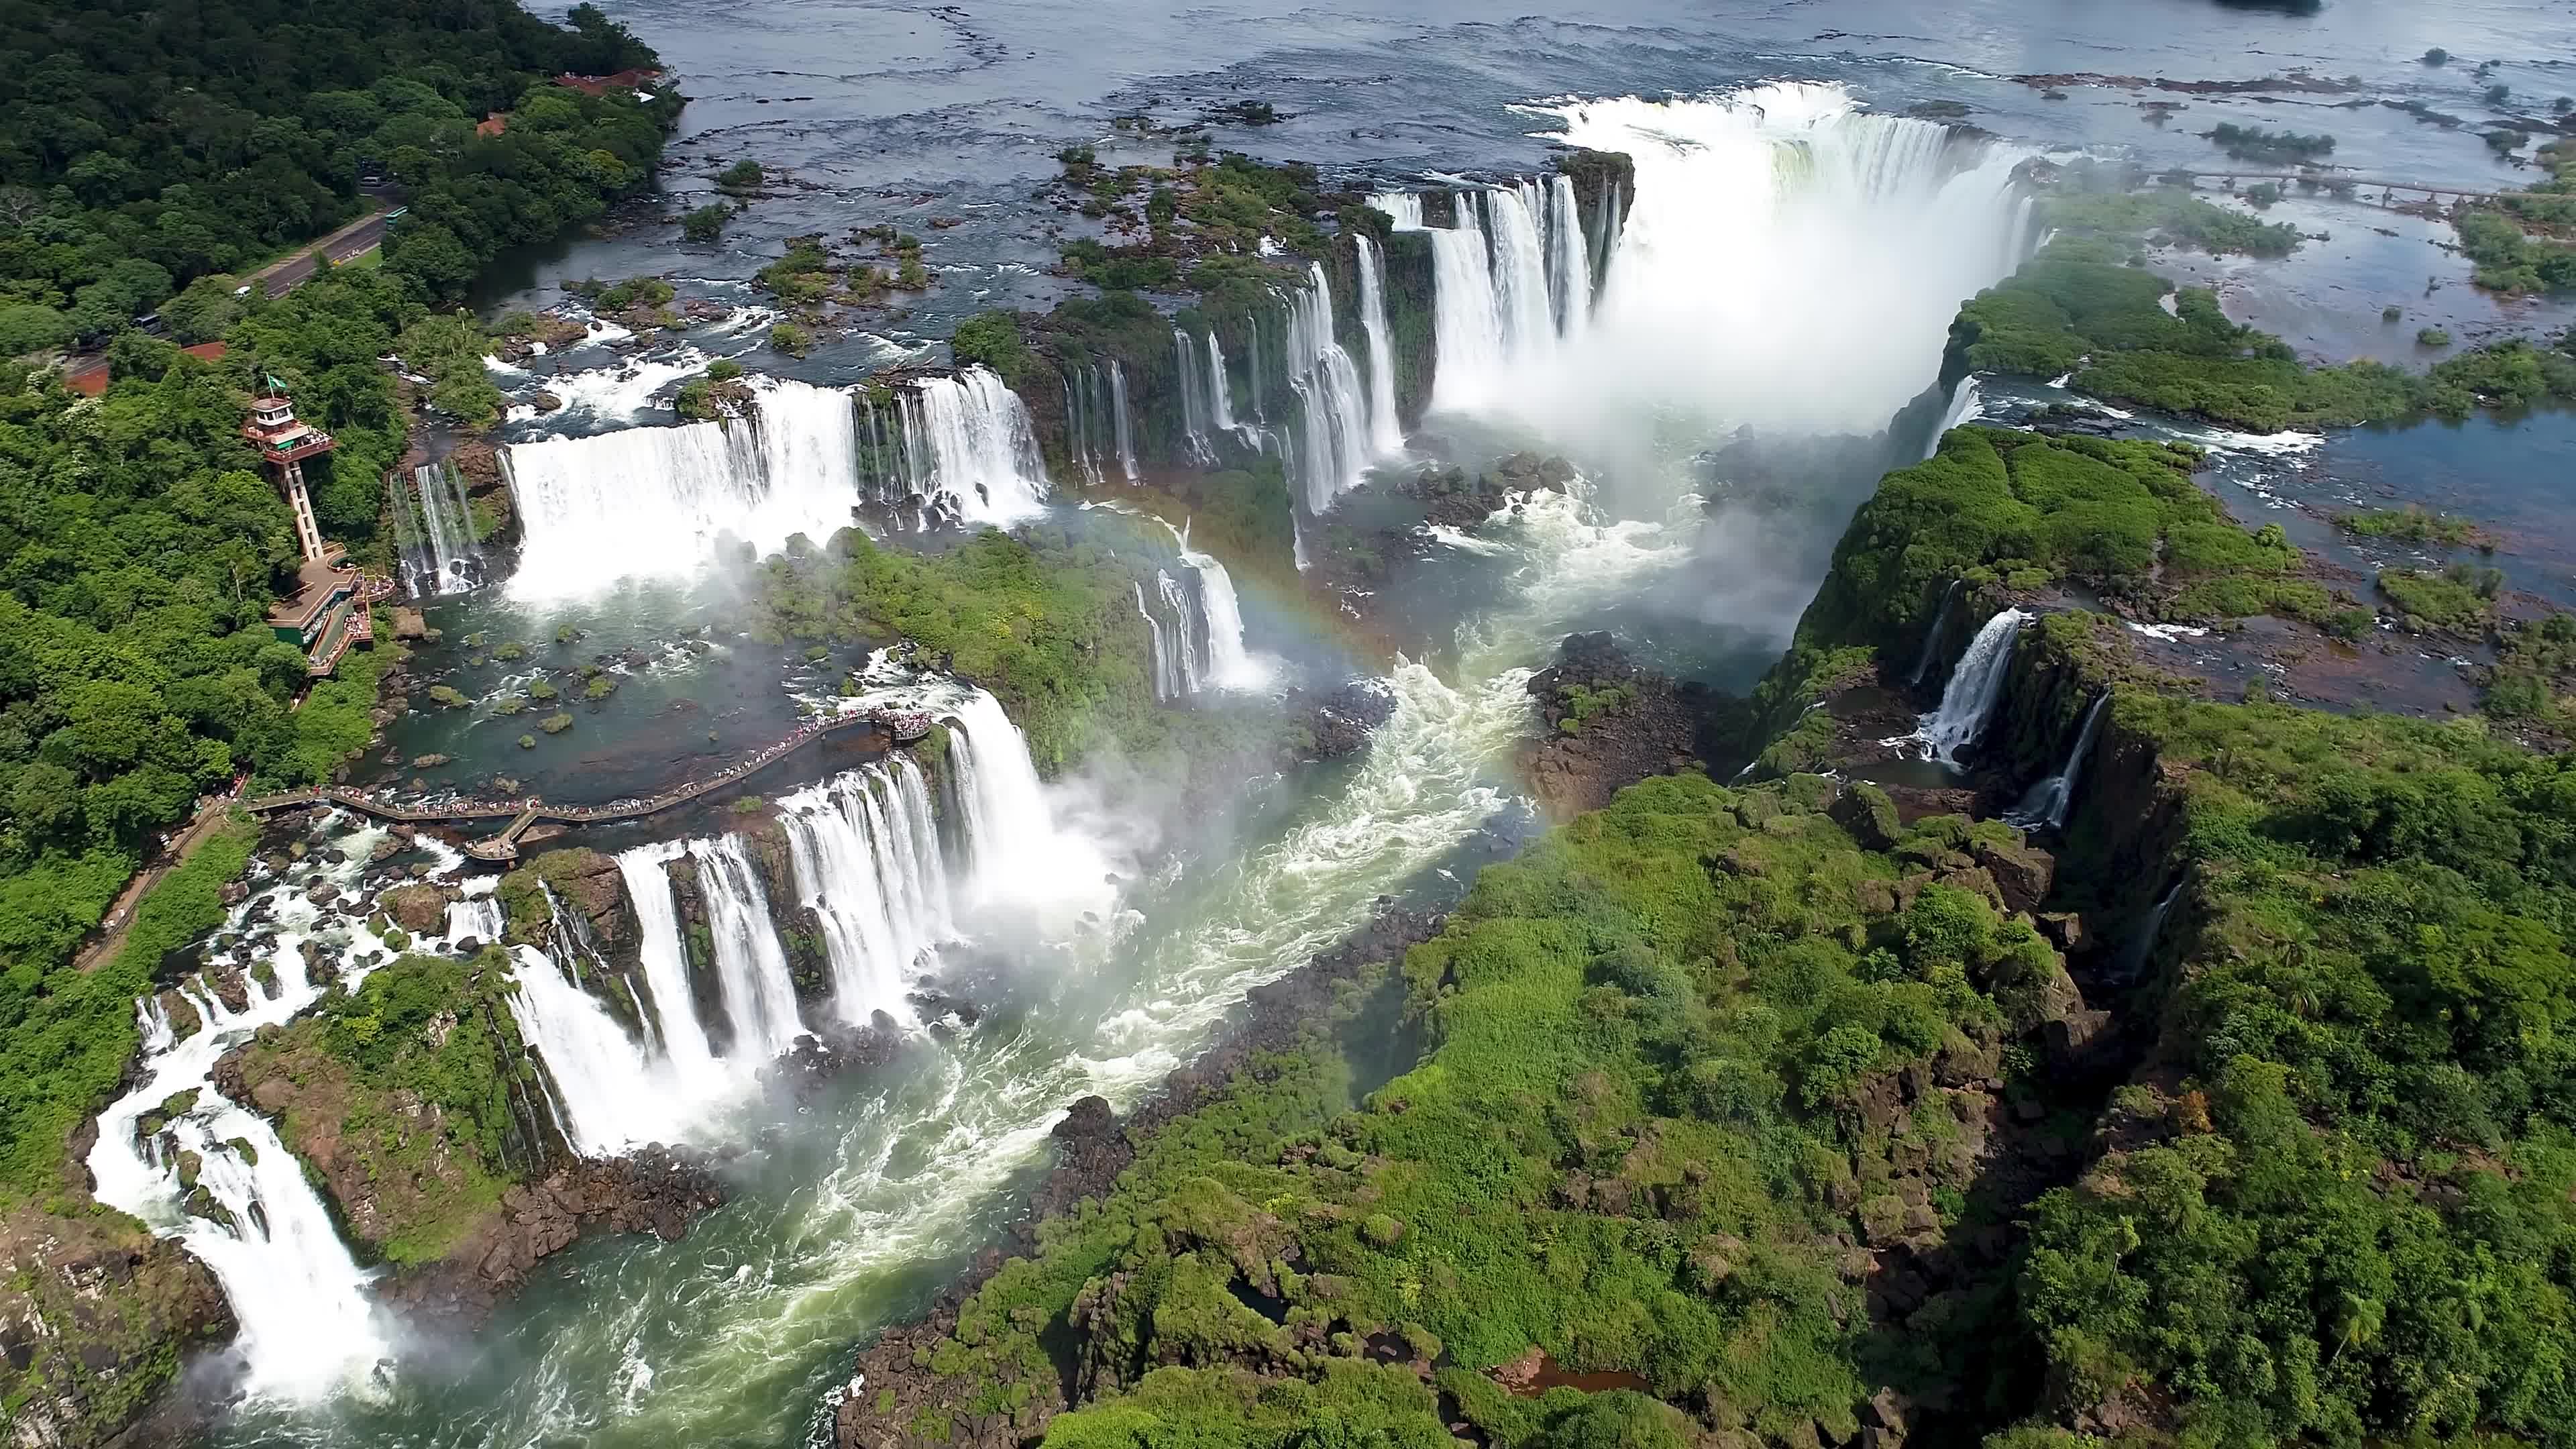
<point x="706" y="223"/>
<point x="791" y="339"/>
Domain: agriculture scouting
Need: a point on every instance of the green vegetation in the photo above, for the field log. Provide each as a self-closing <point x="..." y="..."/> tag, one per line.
<point x="1655" y="1103"/>
<point x="555" y="724"/>
<point x="741" y="178"/>
<point x="422" y="1031"/>
<point x="65" y="1034"/>
<point x="2285" y="148"/>
<point x="2170" y="215"/>
<point x="152" y="155"/>
<point x="2414" y="524"/>
<point x="791" y="339"/>
<point x="2075" y="309"/>
<point x="2432" y="337"/>
<point x="1584" y="701"/>
<point x="2459" y="597"/>
<point x="706" y="223"/>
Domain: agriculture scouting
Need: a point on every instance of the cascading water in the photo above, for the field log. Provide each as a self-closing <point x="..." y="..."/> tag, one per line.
<point x="1823" y="248"/>
<point x="1167" y="675"/>
<point x="666" y="968"/>
<point x="1386" y="431"/>
<point x="1185" y="633"/>
<point x="435" y="528"/>
<point x="613" y="1092"/>
<point x="1404" y="208"/>
<point x="308" y="1327"/>
<point x="1467" y="325"/>
<point x="968" y="440"/>
<point x="1078" y="427"/>
<point x="1019" y="854"/>
<point x="866" y="855"/>
<point x="1220" y="396"/>
<point x="1521" y="274"/>
<point x="1973" y="689"/>
<point x="751" y="967"/>
<point x="1964" y="408"/>
<point x="652" y="502"/>
<point x="2141" y="944"/>
<point x="1118" y="415"/>
<point x="1569" y="257"/>
<point x="1333" y="420"/>
<point x="1197" y="413"/>
<point x="1932" y="636"/>
<point x="2047" y="802"/>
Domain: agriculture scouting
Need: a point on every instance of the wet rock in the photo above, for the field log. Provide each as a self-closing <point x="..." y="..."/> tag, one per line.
<point x="233" y="893"/>
<point x="1343" y="719"/>
<point x="419" y="909"/>
<point x="545" y="402"/>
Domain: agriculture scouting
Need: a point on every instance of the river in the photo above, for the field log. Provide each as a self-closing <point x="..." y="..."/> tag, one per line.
<point x="1746" y="333"/>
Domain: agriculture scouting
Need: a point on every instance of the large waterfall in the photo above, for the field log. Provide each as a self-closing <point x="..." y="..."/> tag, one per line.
<point x="1974" y="686"/>
<point x="1827" y="247"/>
<point x="614" y="1092"/>
<point x="1789" y="261"/>
<point x="652" y="502"/>
<point x="967" y="441"/>
<point x="866" y="852"/>
<point x="666" y="968"/>
<point x="308" y="1327"/>
<point x="1016" y="851"/>
<point x="434" y="531"/>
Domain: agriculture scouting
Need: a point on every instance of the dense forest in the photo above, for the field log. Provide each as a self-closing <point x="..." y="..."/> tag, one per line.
<point x="146" y="146"/>
<point x="147" y="149"/>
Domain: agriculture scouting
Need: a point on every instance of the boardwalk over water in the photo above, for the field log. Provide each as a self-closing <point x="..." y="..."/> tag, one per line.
<point x="524" y="813"/>
<point x="2390" y="191"/>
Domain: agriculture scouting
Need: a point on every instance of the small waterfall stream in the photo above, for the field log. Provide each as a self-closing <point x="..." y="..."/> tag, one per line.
<point x="1386" y="430"/>
<point x="666" y="967"/>
<point x="434" y="529"/>
<point x="751" y="966"/>
<point x="1119" y="417"/>
<point x="1931" y="646"/>
<point x="1335" y="433"/>
<point x="2048" y="801"/>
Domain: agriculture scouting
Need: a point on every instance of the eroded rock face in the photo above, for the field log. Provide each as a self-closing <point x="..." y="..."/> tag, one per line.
<point x="1609" y="723"/>
<point x="655" y="1191"/>
<point x="94" y="1315"/>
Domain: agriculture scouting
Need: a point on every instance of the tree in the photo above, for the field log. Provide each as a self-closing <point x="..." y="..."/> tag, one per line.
<point x="706" y="223"/>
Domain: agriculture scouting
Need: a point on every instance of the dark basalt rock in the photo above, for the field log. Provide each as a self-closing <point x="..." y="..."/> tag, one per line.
<point x="1657" y="726"/>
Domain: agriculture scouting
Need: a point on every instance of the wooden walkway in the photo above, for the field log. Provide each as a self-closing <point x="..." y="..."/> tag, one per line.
<point x="523" y="814"/>
<point x="2389" y="191"/>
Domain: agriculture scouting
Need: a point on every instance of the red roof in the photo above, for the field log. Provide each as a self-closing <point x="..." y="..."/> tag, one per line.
<point x="492" y="125"/>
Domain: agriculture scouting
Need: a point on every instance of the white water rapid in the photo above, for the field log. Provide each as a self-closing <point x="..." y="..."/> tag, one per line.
<point x="308" y="1327"/>
<point x="1970" y="696"/>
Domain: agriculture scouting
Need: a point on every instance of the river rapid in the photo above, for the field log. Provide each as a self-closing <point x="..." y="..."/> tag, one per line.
<point x="1772" y="324"/>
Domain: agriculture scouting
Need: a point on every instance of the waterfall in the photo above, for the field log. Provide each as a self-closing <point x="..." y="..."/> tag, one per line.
<point x="666" y="967"/>
<point x="967" y="440"/>
<point x="435" y="528"/>
<point x="308" y="1327"/>
<point x="1466" y="324"/>
<point x="1521" y="293"/>
<point x="866" y="854"/>
<point x="477" y="918"/>
<point x="1974" y="686"/>
<point x="1196" y="411"/>
<point x="1018" y="853"/>
<point x="1230" y="666"/>
<point x="651" y="502"/>
<point x="1404" y="208"/>
<point x="1221" y="393"/>
<point x="1332" y="412"/>
<point x="1167" y="679"/>
<point x="614" y="1094"/>
<point x="1118" y="414"/>
<point x="1964" y="408"/>
<point x="2142" y="943"/>
<point x="751" y="967"/>
<point x="1386" y="431"/>
<point x="1185" y="633"/>
<point x="2048" y="801"/>
<point x="1932" y="636"/>
<point x="1077" y="433"/>
<point x="1569" y="257"/>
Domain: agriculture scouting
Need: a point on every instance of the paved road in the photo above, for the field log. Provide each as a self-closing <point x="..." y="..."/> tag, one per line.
<point x="347" y="244"/>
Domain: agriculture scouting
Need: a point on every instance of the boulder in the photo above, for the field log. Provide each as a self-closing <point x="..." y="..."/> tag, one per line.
<point x="2022" y="873"/>
<point x="1868" y="815"/>
<point x="419" y="909"/>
